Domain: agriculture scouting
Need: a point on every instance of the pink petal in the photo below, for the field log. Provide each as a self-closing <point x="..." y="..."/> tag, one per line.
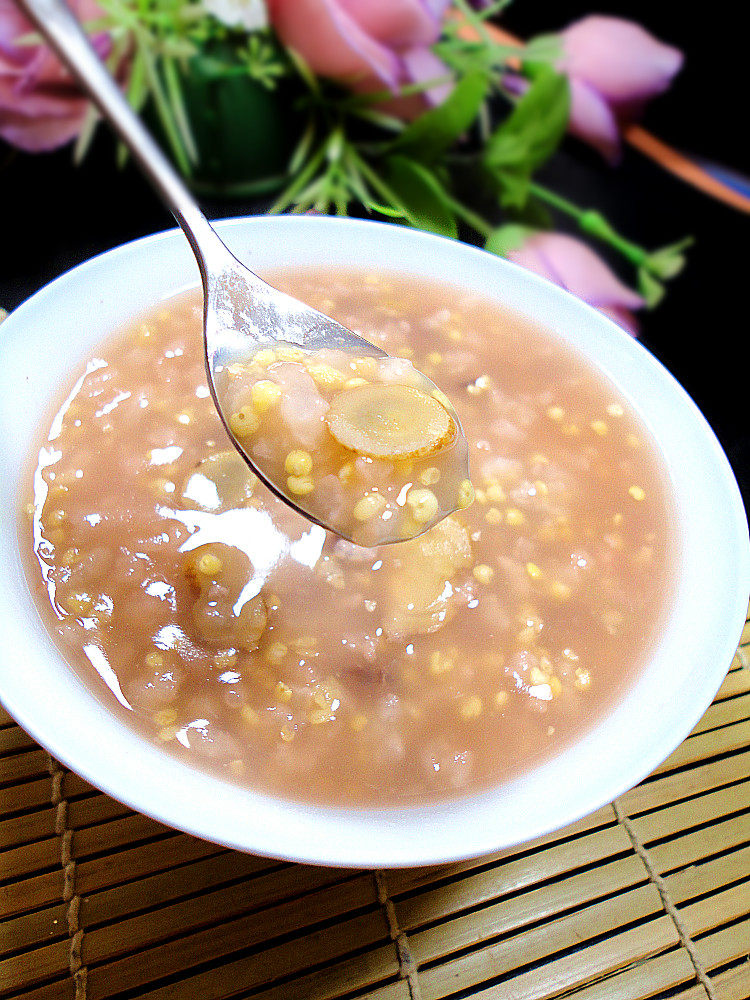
<point x="438" y="8"/>
<point x="332" y="43"/>
<point x="574" y="265"/>
<point x="41" y="106"/>
<point x="530" y="257"/>
<point x="13" y="24"/>
<point x="422" y="65"/>
<point x="623" y="318"/>
<point x="399" y="24"/>
<point x="38" y="134"/>
<point x="40" y="102"/>
<point x="592" y="120"/>
<point x="619" y="58"/>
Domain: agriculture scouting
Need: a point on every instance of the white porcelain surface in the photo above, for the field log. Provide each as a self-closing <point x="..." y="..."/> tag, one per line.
<point x="45" y="340"/>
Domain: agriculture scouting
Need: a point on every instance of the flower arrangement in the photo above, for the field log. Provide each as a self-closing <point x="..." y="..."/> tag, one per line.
<point x="418" y="111"/>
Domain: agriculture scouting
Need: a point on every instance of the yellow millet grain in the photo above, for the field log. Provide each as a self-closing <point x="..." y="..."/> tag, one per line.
<point x="471" y="708"/>
<point x="244" y="422"/>
<point x="429" y="476"/>
<point x="423" y="504"/>
<point x="265" y="394"/>
<point x="368" y="506"/>
<point x="264" y="358"/>
<point x="483" y="573"/>
<point x="465" y="494"/>
<point x="276" y="652"/>
<point x="300" y="486"/>
<point x="298" y="463"/>
<point x="282" y="693"/>
<point x="209" y="565"/>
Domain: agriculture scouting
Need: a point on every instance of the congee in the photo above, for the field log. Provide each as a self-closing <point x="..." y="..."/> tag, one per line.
<point x="247" y="640"/>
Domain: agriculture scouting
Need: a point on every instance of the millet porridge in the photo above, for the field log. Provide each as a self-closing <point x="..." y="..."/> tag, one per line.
<point x="247" y="640"/>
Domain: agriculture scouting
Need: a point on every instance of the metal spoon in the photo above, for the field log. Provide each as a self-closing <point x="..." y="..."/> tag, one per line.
<point x="242" y="313"/>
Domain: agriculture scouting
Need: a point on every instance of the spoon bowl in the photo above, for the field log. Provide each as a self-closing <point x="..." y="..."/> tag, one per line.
<point x="242" y="315"/>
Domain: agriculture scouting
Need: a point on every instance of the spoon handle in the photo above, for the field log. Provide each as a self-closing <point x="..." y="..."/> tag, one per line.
<point x="65" y="35"/>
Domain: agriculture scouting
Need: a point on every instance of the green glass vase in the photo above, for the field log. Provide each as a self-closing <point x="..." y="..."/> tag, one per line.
<point x="244" y="132"/>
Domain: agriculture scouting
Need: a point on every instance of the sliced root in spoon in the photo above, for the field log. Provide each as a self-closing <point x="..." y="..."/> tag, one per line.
<point x="365" y="445"/>
<point x="390" y="421"/>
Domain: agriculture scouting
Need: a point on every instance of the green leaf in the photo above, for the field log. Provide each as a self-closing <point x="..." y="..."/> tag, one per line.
<point x="304" y="70"/>
<point x="667" y="262"/>
<point x="506" y="238"/>
<point x="650" y="288"/>
<point x="534" y="214"/>
<point x="303" y="149"/>
<point x="422" y="195"/>
<point x="163" y="106"/>
<point x="660" y="266"/>
<point x="304" y="177"/>
<point x="86" y="134"/>
<point x="543" y="48"/>
<point x="528" y="136"/>
<point x="179" y="111"/>
<point x="386" y="210"/>
<point x="435" y="131"/>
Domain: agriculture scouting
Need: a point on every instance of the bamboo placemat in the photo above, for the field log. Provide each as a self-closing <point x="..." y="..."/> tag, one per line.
<point x="648" y="897"/>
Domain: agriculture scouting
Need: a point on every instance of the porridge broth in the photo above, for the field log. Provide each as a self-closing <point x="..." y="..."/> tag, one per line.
<point x="241" y="637"/>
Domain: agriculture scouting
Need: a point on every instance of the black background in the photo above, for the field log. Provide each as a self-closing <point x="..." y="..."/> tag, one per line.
<point x="54" y="215"/>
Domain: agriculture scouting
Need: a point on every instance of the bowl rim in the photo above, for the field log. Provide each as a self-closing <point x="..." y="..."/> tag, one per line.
<point x="377" y="837"/>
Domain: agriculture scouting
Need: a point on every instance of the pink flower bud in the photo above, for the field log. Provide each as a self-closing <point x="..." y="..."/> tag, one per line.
<point x="573" y="265"/>
<point x="614" y="67"/>
<point x="367" y="45"/>
<point x="41" y="107"/>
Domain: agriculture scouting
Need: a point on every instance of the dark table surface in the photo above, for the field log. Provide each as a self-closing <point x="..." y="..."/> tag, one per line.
<point x="55" y="215"/>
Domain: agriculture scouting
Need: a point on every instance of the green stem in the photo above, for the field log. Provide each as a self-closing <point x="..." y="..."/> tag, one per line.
<point x="593" y="223"/>
<point x="470" y="217"/>
<point x="301" y="181"/>
<point x="162" y="105"/>
<point x="383" y="189"/>
<point x="179" y="111"/>
<point x="474" y="19"/>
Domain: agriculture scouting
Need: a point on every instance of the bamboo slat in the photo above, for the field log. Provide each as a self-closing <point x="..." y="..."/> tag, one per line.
<point x="576" y="968"/>
<point x="5" y="718"/>
<point x="724" y="713"/>
<point x="322" y="949"/>
<point x="13" y="738"/>
<point x="225" y="911"/>
<point x="26" y="828"/>
<point x="694" y="845"/>
<point x="30" y="930"/>
<point x="523" y="873"/>
<point x="692" y="813"/>
<point x="356" y="975"/>
<point x="681" y="785"/>
<point x="646" y="898"/>
<point x="31" y="967"/>
<point x="734" y="984"/>
<point x="656" y="976"/>
<point x="730" y="944"/>
<point x="404" y="880"/>
<point x="20" y="766"/>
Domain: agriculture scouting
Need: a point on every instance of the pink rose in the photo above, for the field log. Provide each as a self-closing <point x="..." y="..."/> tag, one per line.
<point x="41" y="106"/>
<point x="574" y="266"/>
<point x="614" y="67"/>
<point x="367" y="45"/>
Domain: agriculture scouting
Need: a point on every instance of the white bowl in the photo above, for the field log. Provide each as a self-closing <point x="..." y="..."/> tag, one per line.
<point x="45" y="340"/>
